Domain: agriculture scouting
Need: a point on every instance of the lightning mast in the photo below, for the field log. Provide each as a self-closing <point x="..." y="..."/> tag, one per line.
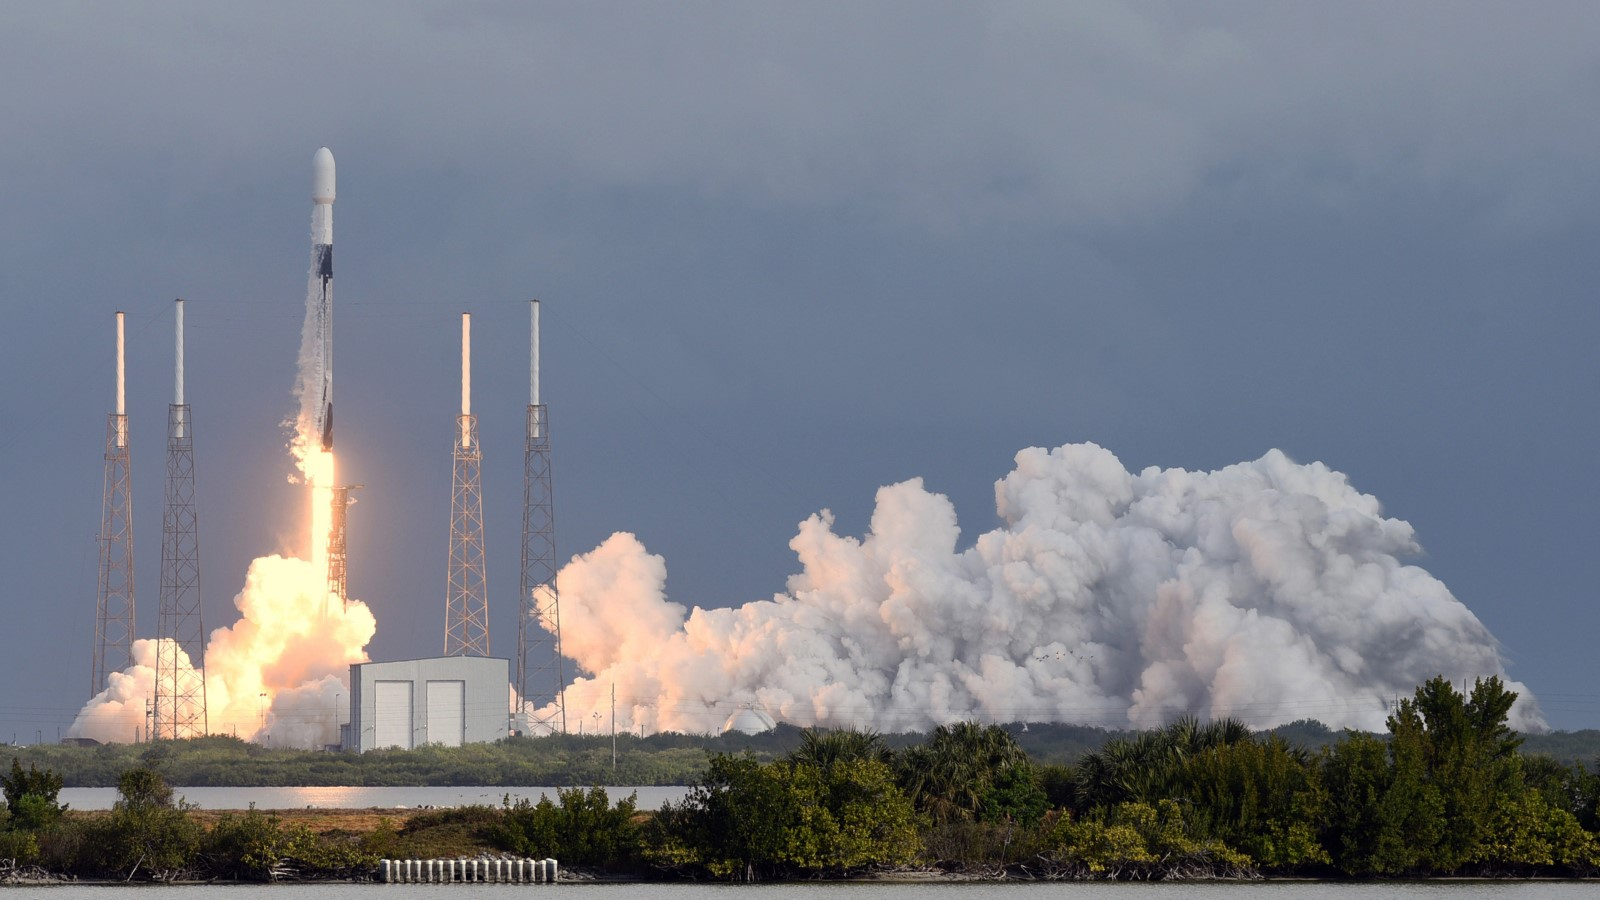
<point x="180" y="701"/>
<point x="543" y="684"/>
<point x="113" y="623"/>
<point x="466" y="610"/>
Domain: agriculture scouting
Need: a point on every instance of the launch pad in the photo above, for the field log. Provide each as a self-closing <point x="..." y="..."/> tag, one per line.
<point x="174" y="704"/>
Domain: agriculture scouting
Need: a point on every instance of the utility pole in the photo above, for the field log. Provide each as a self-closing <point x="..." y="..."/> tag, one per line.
<point x="613" y="726"/>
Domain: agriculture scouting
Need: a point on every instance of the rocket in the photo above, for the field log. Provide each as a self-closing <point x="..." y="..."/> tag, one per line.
<point x="321" y="285"/>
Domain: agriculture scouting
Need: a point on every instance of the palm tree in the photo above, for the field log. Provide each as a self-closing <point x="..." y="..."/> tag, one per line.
<point x="1143" y="768"/>
<point x="825" y="749"/>
<point x="950" y="775"/>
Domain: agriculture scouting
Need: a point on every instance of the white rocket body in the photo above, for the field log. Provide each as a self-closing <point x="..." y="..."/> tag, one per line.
<point x="322" y="194"/>
<point x="322" y="179"/>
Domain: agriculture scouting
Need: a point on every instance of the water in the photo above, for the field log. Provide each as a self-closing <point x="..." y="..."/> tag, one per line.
<point x="1445" y="890"/>
<point x="361" y="797"/>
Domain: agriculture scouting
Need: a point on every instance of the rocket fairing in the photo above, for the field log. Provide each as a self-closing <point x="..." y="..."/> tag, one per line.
<point x="322" y="194"/>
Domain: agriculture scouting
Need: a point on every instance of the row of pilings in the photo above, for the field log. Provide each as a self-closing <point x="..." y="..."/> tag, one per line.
<point x="467" y="871"/>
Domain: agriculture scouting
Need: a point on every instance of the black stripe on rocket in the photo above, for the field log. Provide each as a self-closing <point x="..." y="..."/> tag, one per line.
<point x="325" y="272"/>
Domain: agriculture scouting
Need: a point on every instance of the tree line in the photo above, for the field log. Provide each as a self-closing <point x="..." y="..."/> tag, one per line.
<point x="1448" y="790"/>
<point x="571" y="760"/>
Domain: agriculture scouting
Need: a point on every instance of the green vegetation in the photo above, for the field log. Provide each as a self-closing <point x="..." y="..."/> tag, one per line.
<point x="30" y="808"/>
<point x="1137" y="840"/>
<point x="148" y="837"/>
<point x="585" y="760"/>
<point x="584" y="829"/>
<point x="561" y="760"/>
<point x="145" y="831"/>
<point x="833" y="807"/>
<point x="1448" y="790"/>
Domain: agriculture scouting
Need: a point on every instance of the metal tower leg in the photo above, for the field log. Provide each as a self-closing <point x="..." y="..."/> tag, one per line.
<point x="466" y="612"/>
<point x="541" y="675"/>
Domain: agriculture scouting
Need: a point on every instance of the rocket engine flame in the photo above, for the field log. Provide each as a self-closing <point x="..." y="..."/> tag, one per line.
<point x="1268" y="591"/>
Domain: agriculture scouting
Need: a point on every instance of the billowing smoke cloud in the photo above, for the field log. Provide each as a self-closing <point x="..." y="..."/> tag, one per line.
<point x="120" y="713"/>
<point x="1268" y="591"/>
<point x="276" y="674"/>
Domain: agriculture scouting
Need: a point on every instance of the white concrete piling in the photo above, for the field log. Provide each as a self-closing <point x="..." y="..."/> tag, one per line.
<point x="467" y="871"/>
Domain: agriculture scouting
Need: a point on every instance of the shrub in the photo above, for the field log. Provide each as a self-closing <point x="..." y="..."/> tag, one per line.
<point x="31" y="797"/>
<point x="442" y="833"/>
<point x="145" y="836"/>
<point x="247" y="847"/>
<point x="381" y="841"/>
<point x="749" y="820"/>
<point x="1138" y="840"/>
<point x="20" y="847"/>
<point x="585" y="829"/>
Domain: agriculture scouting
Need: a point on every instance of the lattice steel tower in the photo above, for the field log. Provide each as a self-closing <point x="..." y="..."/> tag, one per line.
<point x="466" y="609"/>
<point x="113" y="621"/>
<point x="337" y="547"/>
<point x="180" y="702"/>
<point x="541" y="681"/>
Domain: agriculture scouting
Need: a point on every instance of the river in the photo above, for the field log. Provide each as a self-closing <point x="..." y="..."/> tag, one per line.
<point x="361" y="797"/>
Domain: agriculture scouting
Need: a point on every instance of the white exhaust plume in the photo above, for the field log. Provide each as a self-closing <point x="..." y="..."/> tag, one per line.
<point x="1268" y="591"/>
<point x="277" y="674"/>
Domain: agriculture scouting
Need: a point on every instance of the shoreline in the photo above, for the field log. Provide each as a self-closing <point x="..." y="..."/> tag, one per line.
<point x="909" y="877"/>
<point x="356" y="822"/>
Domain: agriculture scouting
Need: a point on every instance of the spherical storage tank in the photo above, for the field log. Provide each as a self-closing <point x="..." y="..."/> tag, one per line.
<point x="749" y="721"/>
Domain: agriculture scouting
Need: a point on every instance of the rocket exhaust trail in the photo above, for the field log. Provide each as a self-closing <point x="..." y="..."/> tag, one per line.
<point x="322" y="194"/>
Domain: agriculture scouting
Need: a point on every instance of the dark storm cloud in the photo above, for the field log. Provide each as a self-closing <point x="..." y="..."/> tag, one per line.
<point x="1089" y="113"/>
<point x="792" y="253"/>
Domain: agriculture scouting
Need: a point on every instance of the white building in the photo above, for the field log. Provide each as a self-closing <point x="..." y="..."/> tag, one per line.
<point x="448" y="700"/>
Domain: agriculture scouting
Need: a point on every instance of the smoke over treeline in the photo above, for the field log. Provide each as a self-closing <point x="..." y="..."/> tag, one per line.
<point x="1268" y="590"/>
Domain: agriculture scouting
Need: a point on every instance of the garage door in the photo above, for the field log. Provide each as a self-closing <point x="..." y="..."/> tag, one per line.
<point x="447" y="722"/>
<point x="392" y="722"/>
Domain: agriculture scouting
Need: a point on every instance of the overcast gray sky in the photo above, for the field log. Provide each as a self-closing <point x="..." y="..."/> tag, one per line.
<point x="790" y="253"/>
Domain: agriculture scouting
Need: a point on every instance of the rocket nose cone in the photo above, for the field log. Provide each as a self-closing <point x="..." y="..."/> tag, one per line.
<point x="322" y="176"/>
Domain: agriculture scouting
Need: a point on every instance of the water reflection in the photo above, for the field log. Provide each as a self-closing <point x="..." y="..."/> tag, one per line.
<point x="361" y="797"/>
